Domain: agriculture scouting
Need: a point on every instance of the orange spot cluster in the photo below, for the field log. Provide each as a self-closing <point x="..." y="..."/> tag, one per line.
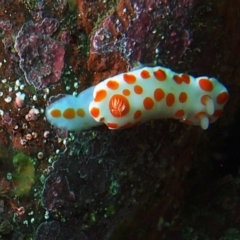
<point x="69" y="113"/>
<point x="119" y="104"/>
<point x="184" y="78"/>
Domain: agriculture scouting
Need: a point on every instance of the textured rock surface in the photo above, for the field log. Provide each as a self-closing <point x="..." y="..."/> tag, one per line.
<point x="161" y="180"/>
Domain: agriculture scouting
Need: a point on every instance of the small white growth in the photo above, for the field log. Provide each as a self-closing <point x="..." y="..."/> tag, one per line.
<point x="18" y="83"/>
<point x="8" y="99"/>
<point x="75" y="85"/>
<point x="46" y="90"/>
<point x="1" y="112"/>
<point x="32" y="114"/>
<point x="19" y="100"/>
<point x="46" y="134"/>
<point x="204" y="122"/>
<point x="40" y="155"/>
<point x="34" y="97"/>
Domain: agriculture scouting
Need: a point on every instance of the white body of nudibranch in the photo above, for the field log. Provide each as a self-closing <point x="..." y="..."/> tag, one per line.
<point x="143" y="94"/>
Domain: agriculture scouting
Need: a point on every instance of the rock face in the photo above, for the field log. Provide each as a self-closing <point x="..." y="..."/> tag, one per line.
<point x="140" y="31"/>
<point x="128" y="184"/>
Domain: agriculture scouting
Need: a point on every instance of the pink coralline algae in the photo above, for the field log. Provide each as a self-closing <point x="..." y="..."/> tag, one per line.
<point x="5" y="25"/>
<point x="41" y="57"/>
<point x="140" y="29"/>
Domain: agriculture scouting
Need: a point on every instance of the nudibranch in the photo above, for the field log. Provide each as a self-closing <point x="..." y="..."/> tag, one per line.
<point x="140" y="95"/>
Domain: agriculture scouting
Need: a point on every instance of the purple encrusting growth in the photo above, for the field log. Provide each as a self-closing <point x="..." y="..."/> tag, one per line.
<point x="5" y="25"/>
<point x="41" y="57"/>
<point x="139" y="29"/>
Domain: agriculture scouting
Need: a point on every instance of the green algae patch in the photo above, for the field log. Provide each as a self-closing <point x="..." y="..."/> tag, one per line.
<point x="24" y="175"/>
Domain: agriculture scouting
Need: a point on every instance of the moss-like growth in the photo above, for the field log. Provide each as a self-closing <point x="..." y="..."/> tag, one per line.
<point x="24" y="175"/>
<point x="72" y="5"/>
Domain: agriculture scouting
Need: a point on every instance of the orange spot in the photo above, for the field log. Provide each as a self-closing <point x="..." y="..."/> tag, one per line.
<point x="112" y="84"/>
<point x="119" y="105"/>
<point x="126" y="92"/>
<point x="95" y="112"/>
<point x="204" y="99"/>
<point x="179" y="113"/>
<point x="148" y="103"/>
<point x="185" y="78"/>
<point x="222" y="98"/>
<point x="182" y="97"/>
<point x="56" y="113"/>
<point x="112" y="125"/>
<point x="177" y="79"/>
<point x="199" y="115"/>
<point x="138" y="89"/>
<point x="100" y="95"/>
<point x="145" y="74"/>
<point x="127" y="125"/>
<point x="129" y="78"/>
<point x="69" y="113"/>
<point x="137" y="114"/>
<point x="81" y="112"/>
<point x="206" y="84"/>
<point x="187" y="121"/>
<point x="170" y="99"/>
<point x="160" y="75"/>
<point x="158" y="94"/>
<point x="217" y="113"/>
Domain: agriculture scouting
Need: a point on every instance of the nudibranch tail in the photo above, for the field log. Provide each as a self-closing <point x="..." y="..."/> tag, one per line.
<point x="71" y="113"/>
<point x="140" y="95"/>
